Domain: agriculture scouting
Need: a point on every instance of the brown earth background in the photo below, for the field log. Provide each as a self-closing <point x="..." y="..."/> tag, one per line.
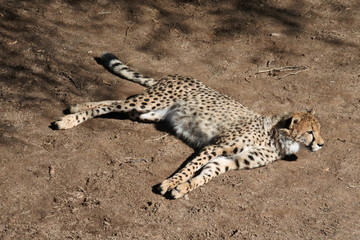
<point x="95" y="181"/>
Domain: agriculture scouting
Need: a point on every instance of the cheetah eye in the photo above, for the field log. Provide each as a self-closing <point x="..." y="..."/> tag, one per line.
<point x="295" y="121"/>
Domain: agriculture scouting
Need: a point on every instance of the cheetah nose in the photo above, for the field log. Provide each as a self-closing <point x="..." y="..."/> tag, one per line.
<point x="320" y="144"/>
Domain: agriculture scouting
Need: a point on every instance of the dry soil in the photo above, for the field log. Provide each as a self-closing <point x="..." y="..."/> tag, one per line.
<point x="95" y="181"/>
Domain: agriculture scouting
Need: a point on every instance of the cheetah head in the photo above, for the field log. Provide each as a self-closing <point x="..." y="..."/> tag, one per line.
<point x="304" y="128"/>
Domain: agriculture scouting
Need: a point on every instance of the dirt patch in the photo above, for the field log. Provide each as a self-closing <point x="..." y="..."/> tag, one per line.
<point x="95" y="181"/>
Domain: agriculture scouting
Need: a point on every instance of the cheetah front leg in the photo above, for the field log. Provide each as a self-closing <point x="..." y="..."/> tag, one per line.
<point x="245" y="158"/>
<point x="213" y="168"/>
<point x="208" y="153"/>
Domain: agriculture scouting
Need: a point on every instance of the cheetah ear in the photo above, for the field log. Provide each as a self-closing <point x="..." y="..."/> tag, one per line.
<point x="287" y="123"/>
<point x="295" y="119"/>
<point x="311" y="111"/>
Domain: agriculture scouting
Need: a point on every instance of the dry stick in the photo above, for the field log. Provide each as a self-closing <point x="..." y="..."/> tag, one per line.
<point x="128" y="28"/>
<point x="102" y="13"/>
<point x="286" y="68"/>
<point x="131" y="160"/>
<point x="247" y="79"/>
<point x="106" y="83"/>
<point x="158" y="138"/>
<point x="68" y="77"/>
<point x="283" y="69"/>
<point x="289" y="74"/>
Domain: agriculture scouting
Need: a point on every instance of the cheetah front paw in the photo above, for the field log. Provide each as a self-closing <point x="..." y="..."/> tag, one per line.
<point x="168" y="185"/>
<point x="165" y="186"/>
<point x="180" y="190"/>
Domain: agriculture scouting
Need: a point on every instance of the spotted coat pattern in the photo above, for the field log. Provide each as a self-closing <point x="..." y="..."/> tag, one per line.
<point x="228" y="136"/>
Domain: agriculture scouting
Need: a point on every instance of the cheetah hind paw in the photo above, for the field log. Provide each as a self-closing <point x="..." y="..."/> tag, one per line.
<point x="69" y="121"/>
<point x="74" y="109"/>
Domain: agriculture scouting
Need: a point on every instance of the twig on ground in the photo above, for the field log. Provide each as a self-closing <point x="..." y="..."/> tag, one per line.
<point x="128" y="28"/>
<point x="135" y="160"/>
<point x="106" y="83"/>
<point x="101" y="13"/>
<point x="67" y="76"/>
<point x="289" y="74"/>
<point x="276" y="71"/>
<point x="158" y="138"/>
<point x="281" y="69"/>
<point x="247" y="79"/>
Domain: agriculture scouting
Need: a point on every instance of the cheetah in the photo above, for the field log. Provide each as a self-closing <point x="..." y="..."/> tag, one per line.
<point x="226" y="134"/>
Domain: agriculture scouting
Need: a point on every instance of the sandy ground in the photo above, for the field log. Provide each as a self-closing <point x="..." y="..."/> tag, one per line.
<point x="95" y="181"/>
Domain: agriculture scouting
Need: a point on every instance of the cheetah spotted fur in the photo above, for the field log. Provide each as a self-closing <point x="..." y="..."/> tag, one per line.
<point x="228" y="135"/>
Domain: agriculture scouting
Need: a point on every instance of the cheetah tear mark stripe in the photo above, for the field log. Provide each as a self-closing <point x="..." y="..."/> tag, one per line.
<point x="112" y="63"/>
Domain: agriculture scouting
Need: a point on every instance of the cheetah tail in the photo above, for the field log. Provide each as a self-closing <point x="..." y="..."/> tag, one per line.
<point x="115" y="66"/>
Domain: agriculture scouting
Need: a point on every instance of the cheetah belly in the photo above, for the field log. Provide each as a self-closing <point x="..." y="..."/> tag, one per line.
<point x="190" y="127"/>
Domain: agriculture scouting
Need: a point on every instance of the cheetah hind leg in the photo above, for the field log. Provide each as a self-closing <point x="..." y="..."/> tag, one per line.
<point x="72" y="120"/>
<point x="81" y="107"/>
<point x="97" y="109"/>
<point x="85" y="111"/>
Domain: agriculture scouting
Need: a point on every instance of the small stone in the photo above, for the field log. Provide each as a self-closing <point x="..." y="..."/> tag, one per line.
<point x="275" y="35"/>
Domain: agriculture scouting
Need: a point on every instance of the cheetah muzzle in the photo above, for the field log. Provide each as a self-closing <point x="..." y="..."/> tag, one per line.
<point x="228" y="135"/>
